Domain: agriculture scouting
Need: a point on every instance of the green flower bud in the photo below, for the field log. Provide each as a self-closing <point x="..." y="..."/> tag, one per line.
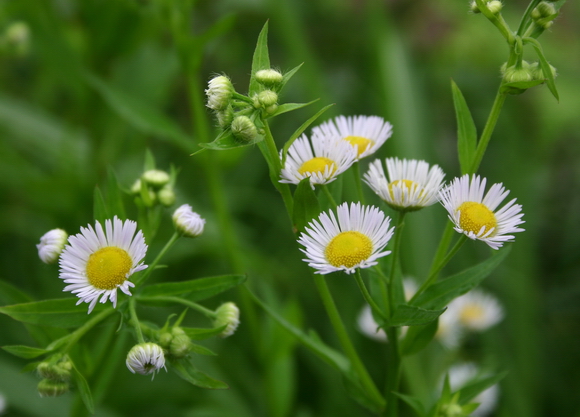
<point x="50" y="388"/>
<point x="537" y="72"/>
<point x="267" y="98"/>
<point x="136" y="187"/>
<point x="495" y="6"/>
<point x="180" y="344"/>
<point x="225" y="117"/>
<point x="219" y="92"/>
<point x="269" y="77"/>
<point x="243" y="129"/>
<point x="451" y="410"/>
<point x="271" y="109"/>
<point x="514" y="74"/>
<point x="58" y="372"/>
<point x="155" y="177"/>
<point x="228" y="314"/>
<point x="164" y="339"/>
<point x="51" y="245"/>
<point x="543" y="9"/>
<point x="166" y="196"/>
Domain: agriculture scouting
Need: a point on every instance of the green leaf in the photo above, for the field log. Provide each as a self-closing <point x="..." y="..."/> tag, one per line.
<point x="114" y="195"/>
<point x="200" y="334"/>
<point x="202" y="350"/>
<point x="260" y="61"/>
<point x="418" y="337"/>
<point x="186" y="370"/>
<point x="408" y="315"/>
<point x="545" y="67"/>
<point x="25" y="352"/>
<point x="197" y="289"/>
<point x="301" y="130"/>
<point x="287" y="107"/>
<point x="414" y="403"/>
<point x="287" y="76"/>
<point x="9" y="294"/>
<point x="100" y="210"/>
<point x="149" y="163"/>
<point x="466" y="131"/>
<point x="140" y="115"/>
<point x="60" y="312"/>
<point x="474" y="388"/>
<point x="441" y="293"/>
<point x="306" y="205"/>
<point x="83" y="389"/>
<point x="225" y="140"/>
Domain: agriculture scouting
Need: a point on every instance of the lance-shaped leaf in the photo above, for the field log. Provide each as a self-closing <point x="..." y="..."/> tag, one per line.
<point x="466" y="131"/>
<point x="418" y="337"/>
<point x="114" y="195"/>
<point x="186" y="370"/>
<point x="83" y="389"/>
<point x="260" y="60"/>
<point x="196" y="289"/>
<point x="474" y="388"/>
<point x="408" y="315"/>
<point x="226" y="140"/>
<point x="288" y="75"/>
<point x="305" y="206"/>
<point x="546" y="69"/>
<point x="100" y="209"/>
<point x="9" y="294"/>
<point x="25" y="352"/>
<point x="286" y="107"/>
<point x="441" y="293"/>
<point x="200" y="334"/>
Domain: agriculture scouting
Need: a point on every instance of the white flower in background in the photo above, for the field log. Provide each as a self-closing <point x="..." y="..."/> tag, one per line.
<point x="411" y="184"/>
<point x="187" y="222"/>
<point x="51" y="245"/>
<point x="449" y="330"/>
<point x="97" y="262"/>
<point x="476" y="310"/>
<point x="228" y="314"/>
<point x="460" y="375"/>
<point x="366" y="133"/>
<point x="474" y="215"/>
<point x="354" y="241"/>
<point x="145" y="358"/>
<point x="320" y="159"/>
<point x="2" y="404"/>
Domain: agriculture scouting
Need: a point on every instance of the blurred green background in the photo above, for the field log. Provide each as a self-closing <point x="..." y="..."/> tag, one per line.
<point x="60" y="132"/>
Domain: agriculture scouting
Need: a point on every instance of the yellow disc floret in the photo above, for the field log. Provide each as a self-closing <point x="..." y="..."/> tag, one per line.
<point x="474" y="216"/>
<point x="362" y="143"/>
<point x="317" y="165"/>
<point x="470" y="314"/>
<point x="400" y="183"/>
<point x="108" y="267"/>
<point x="348" y="249"/>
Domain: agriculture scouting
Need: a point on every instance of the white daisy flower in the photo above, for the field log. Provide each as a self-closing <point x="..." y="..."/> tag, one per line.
<point x="320" y="159"/>
<point x="145" y="358"/>
<point x="96" y="262"/>
<point x="366" y="133"/>
<point x="476" y="310"/>
<point x="474" y="215"/>
<point x="411" y="184"/>
<point x="449" y="329"/>
<point x="51" y="245"/>
<point x="354" y="241"/>
<point x="187" y="222"/>
<point x="460" y="375"/>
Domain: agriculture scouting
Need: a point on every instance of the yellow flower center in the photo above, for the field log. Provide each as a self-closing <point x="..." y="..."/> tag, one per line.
<point x="348" y="249"/>
<point x="362" y="143"/>
<point x="472" y="313"/>
<point x="402" y="183"/>
<point x="474" y="216"/>
<point x="108" y="267"/>
<point x="317" y="165"/>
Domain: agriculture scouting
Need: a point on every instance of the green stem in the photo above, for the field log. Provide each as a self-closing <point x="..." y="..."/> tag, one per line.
<point x="81" y="331"/>
<point x="205" y="311"/>
<point x="134" y="320"/>
<point x="443" y="246"/>
<point x="160" y="255"/>
<point x="487" y="131"/>
<point x="367" y="296"/>
<point x="329" y="195"/>
<point x="433" y="276"/>
<point x="358" y="181"/>
<point x="526" y="15"/>
<point x="356" y="363"/>
<point x="497" y="21"/>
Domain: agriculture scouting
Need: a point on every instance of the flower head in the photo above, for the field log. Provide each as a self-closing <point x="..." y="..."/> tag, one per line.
<point x="51" y="245"/>
<point x="354" y="241"/>
<point x="97" y="262"/>
<point x="476" y="310"/>
<point x="411" y="184"/>
<point x="145" y="358"/>
<point x="366" y="133"/>
<point x="475" y="215"/>
<point x="321" y="159"/>
<point x="187" y="222"/>
<point x="228" y="314"/>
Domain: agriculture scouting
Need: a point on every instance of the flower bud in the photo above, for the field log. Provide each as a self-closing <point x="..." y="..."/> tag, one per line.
<point x="51" y="245"/>
<point x="165" y="339"/>
<point x="219" y="92"/>
<point x="451" y="410"/>
<point x="538" y="73"/>
<point x="49" y="388"/>
<point x="228" y="314"/>
<point x="495" y="6"/>
<point x="57" y="372"/>
<point x="269" y="77"/>
<point x="136" y="187"/>
<point x="271" y="109"/>
<point x="243" y="129"/>
<point x="514" y="74"/>
<point x="187" y="222"/>
<point x="267" y="98"/>
<point x="145" y="358"/>
<point x="166" y="196"/>
<point x="155" y="177"/>
<point x="543" y="9"/>
<point x="225" y="117"/>
<point x="180" y="344"/>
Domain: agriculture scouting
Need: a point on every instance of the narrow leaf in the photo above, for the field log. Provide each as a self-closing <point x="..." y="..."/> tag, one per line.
<point x="413" y="402"/>
<point x="202" y="350"/>
<point x="473" y="389"/>
<point x="198" y="289"/>
<point x="306" y="206"/>
<point x="287" y="76"/>
<point x="9" y="294"/>
<point x="260" y="61"/>
<point x="408" y="315"/>
<point x="418" y="337"/>
<point x="149" y="162"/>
<point x="200" y="334"/>
<point x="114" y="195"/>
<point x="466" y="131"/>
<point x="191" y="374"/>
<point x="84" y="390"/>
<point x="287" y="107"/>
<point x="100" y="210"/>
<point x="226" y="140"/>
<point x="25" y="352"/>
<point x="546" y="69"/>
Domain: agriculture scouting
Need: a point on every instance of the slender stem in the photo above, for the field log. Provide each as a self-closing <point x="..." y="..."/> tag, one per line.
<point x="205" y="311"/>
<point x="488" y="130"/>
<point x="347" y="346"/>
<point x="367" y="296"/>
<point x="433" y="277"/>
<point x="80" y="332"/>
<point x="134" y="320"/>
<point x="443" y="246"/>
<point x="358" y="181"/>
<point x="160" y="255"/>
<point x="527" y="13"/>
<point x="329" y="195"/>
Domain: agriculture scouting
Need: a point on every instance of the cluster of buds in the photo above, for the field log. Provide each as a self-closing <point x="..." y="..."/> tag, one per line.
<point x="239" y="113"/>
<point x="56" y="375"/>
<point x="523" y="72"/>
<point x="175" y="342"/>
<point x="544" y="14"/>
<point x="494" y="6"/>
<point x="154" y="187"/>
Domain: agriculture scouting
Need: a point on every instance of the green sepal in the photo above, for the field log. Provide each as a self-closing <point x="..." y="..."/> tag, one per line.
<point x="287" y="107"/>
<point x="306" y="206"/>
<point x="466" y="131"/>
<point x="186" y="370"/>
<point x="194" y="290"/>
<point x="418" y="337"/>
<point x="441" y="293"/>
<point x="260" y="60"/>
<point x="408" y="315"/>
<point x="83" y="389"/>
<point x="25" y="352"/>
<point x="200" y="334"/>
<point x="226" y="140"/>
<point x="61" y="312"/>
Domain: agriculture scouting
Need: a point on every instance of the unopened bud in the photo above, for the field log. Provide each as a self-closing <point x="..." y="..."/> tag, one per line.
<point x="243" y="129"/>
<point x="225" y="117"/>
<point x="51" y="245"/>
<point x="219" y="92"/>
<point x="538" y="73"/>
<point x="269" y="77"/>
<point x="155" y="177"/>
<point x="228" y="314"/>
<point x="145" y="358"/>
<point x="59" y="371"/>
<point x="180" y="344"/>
<point x="50" y="388"/>
<point x="267" y="98"/>
<point x="495" y="6"/>
<point x="187" y="222"/>
<point x="136" y="187"/>
<point x="166" y="196"/>
<point x="165" y="339"/>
